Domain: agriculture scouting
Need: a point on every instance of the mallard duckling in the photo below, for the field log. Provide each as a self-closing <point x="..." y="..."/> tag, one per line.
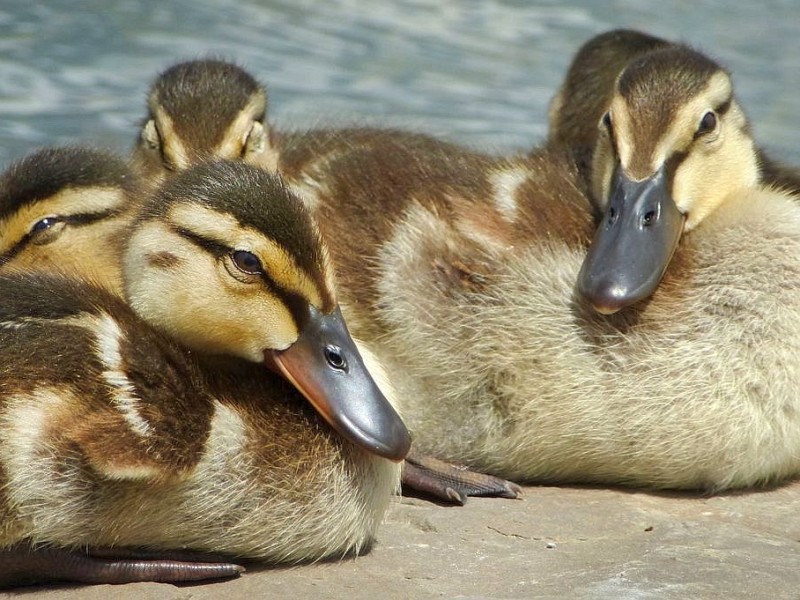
<point x="159" y="427"/>
<point x="203" y="109"/>
<point x="65" y="209"/>
<point x="463" y="269"/>
<point x="184" y="86"/>
<point x="672" y="146"/>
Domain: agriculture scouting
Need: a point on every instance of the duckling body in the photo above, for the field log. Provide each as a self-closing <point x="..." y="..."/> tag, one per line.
<point x="186" y="85"/>
<point x="470" y="265"/>
<point x="461" y="269"/>
<point x="669" y="146"/>
<point x="65" y="209"/>
<point x="128" y="428"/>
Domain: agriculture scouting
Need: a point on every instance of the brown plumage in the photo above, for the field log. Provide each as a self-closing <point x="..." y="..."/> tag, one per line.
<point x="172" y="94"/>
<point x="641" y="69"/>
<point x="585" y="93"/>
<point x="158" y="426"/>
<point x="460" y="269"/>
<point x="470" y="263"/>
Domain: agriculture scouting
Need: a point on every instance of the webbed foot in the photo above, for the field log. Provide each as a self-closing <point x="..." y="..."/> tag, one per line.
<point x="452" y="483"/>
<point x="24" y="564"/>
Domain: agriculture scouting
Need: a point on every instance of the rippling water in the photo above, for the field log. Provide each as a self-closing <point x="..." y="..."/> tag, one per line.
<point x="477" y="72"/>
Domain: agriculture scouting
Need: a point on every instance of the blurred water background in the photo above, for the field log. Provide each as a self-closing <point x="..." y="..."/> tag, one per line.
<point x="477" y="72"/>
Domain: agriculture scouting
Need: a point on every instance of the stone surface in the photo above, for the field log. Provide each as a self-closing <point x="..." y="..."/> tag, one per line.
<point x="558" y="542"/>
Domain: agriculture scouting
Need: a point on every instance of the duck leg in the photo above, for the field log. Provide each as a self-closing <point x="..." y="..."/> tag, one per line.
<point x="452" y="483"/>
<point x="22" y="564"/>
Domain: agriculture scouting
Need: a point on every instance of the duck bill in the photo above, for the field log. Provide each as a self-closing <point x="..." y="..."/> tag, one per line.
<point x="633" y="245"/>
<point x="326" y="367"/>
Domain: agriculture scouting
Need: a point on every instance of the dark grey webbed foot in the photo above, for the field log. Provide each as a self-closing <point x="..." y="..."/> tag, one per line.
<point x="452" y="483"/>
<point x="23" y="564"/>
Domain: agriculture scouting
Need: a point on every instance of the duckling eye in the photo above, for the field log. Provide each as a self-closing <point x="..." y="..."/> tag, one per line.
<point x="606" y="120"/>
<point x="247" y="262"/>
<point x="46" y="230"/>
<point x="44" y="224"/>
<point x="335" y="359"/>
<point x="707" y="124"/>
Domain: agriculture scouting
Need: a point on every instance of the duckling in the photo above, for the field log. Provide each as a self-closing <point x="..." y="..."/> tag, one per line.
<point x="672" y="146"/>
<point x="202" y="109"/>
<point x="153" y="423"/>
<point x="65" y="209"/>
<point x="179" y="92"/>
<point x="463" y="266"/>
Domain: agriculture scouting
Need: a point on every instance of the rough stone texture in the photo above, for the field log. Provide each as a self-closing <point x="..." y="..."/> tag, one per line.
<point x="559" y="542"/>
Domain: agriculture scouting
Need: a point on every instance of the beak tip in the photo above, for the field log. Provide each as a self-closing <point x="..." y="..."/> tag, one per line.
<point x="606" y="297"/>
<point x="393" y="441"/>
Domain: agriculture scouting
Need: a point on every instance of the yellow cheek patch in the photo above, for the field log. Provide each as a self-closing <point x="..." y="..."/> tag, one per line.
<point x="218" y="315"/>
<point x="65" y="203"/>
<point x="226" y="230"/>
<point x="206" y="322"/>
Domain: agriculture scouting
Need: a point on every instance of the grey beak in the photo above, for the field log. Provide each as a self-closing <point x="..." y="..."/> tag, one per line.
<point x="633" y="245"/>
<point x="326" y="367"/>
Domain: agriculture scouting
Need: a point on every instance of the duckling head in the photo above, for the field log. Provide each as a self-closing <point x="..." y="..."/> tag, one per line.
<point x="64" y="209"/>
<point x="673" y="146"/>
<point x="586" y="91"/>
<point x="225" y="259"/>
<point x="199" y="110"/>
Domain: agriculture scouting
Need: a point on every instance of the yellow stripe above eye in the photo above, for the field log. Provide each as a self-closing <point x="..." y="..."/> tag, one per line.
<point x="234" y="138"/>
<point x="687" y="118"/>
<point x="67" y="202"/>
<point x="172" y="147"/>
<point x="224" y="229"/>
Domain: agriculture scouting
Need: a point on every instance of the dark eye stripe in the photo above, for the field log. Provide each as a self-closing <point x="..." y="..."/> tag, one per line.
<point x="88" y="218"/>
<point x="78" y="220"/>
<point x="297" y="305"/>
<point x="213" y="247"/>
<point x="671" y="165"/>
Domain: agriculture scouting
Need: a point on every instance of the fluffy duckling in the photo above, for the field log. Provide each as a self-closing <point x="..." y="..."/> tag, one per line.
<point x="159" y="427"/>
<point x="65" y="209"/>
<point x="203" y="109"/>
<point x="463" y="268"/>
<point x="186" y="86"/>
<point x="672" y="146"/>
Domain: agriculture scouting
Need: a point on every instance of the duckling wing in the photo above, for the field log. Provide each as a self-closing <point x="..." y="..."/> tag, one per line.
<point x="81" y="374"/>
